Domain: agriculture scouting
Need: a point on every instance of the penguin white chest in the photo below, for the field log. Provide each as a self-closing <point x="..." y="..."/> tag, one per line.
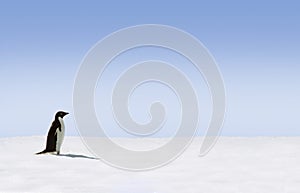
<point x="60" y="135"/>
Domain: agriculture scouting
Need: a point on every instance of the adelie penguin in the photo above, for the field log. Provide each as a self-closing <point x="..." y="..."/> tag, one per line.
<point x="56" y="134"/>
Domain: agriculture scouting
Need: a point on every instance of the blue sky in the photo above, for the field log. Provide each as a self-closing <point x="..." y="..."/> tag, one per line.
<point x="255" y="43"/>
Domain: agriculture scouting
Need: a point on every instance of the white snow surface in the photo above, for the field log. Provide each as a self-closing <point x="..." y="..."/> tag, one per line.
<point x="234" y="165"/>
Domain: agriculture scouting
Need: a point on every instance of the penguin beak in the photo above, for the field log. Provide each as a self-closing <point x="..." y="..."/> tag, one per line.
<point x="66" y="113"/>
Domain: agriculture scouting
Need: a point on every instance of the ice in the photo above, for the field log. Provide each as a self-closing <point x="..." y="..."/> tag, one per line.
<point x="234" y="165"/>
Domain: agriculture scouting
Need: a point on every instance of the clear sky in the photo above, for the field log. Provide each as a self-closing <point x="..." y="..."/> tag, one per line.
<point x="256" y="44"/>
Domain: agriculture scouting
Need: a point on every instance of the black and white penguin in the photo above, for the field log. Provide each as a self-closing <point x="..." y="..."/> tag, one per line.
<point x="56" y="134"/>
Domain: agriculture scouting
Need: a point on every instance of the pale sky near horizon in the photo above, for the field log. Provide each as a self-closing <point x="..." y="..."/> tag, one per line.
<point x="256" y="45"/>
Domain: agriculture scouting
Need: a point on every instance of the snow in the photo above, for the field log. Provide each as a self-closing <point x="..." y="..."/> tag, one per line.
<point x="234" y="165"/>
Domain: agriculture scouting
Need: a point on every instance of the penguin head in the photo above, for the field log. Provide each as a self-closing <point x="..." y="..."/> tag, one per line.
<point x="61" y="114"/>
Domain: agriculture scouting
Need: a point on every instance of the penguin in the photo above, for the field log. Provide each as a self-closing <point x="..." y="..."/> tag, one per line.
<point x="56" y="134"/>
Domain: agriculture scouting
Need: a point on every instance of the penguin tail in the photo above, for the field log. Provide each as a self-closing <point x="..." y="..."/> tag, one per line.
<point x="42" y="152"/>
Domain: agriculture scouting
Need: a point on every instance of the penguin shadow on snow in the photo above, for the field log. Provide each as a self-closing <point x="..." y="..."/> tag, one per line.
<point x="77" y="156"/>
